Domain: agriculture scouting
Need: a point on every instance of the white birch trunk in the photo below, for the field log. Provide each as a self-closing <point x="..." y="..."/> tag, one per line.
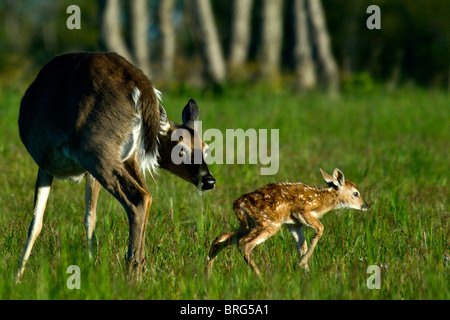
<point x="240" y="33"/>
<point x="167" y="38"/>
<point x="139" y="23"/>
<point x="272" y="34"/>
<point x="111" y="31"/>
<point x="212" y="51"/>
<point x="327" y="64"/>
<point x="304" y="64"/>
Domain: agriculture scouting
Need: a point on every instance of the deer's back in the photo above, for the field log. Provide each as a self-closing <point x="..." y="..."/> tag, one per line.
<point x="273" y="202"/>
<point x="81" y="103"/>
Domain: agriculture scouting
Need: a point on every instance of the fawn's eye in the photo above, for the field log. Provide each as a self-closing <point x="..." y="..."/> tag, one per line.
<point x="356" y="194"/>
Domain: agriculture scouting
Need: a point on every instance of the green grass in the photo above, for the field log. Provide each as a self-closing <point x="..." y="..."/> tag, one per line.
<point x="394" y="146"/>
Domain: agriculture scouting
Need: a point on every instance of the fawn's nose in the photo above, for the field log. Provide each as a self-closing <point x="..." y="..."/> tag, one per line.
<point x="208" y="182"/>
<point x="365" y="207"/>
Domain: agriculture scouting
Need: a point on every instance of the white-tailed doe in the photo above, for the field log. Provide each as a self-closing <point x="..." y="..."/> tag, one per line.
<point x="261" y="214"/>
<point x="95" y="115"/>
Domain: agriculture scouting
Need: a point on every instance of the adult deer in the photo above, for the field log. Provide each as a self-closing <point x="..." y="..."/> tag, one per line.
<point x="97" y="116"/>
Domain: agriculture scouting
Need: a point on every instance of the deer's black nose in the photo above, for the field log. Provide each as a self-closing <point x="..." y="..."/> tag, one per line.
<point x="208" y="183"/>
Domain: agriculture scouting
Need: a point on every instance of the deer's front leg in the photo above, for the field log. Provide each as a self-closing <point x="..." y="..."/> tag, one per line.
<point x="137" y="221"/>
<point x="91" y="195"/>
<point x="126" y="183"/>
<point x="299" y="238"/>
<point x="310" y="221"/>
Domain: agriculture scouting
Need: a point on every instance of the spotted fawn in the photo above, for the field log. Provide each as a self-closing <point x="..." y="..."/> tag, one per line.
<point x="261" y="213"/>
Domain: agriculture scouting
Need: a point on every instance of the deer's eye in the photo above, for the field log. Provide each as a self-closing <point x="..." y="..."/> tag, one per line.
<point x="356" y="194"/>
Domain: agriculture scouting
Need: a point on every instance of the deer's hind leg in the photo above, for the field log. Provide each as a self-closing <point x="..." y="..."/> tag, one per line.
<point x="221" y="242"/>
<point x="43" y="184"/>
<point x="256" y="236"/>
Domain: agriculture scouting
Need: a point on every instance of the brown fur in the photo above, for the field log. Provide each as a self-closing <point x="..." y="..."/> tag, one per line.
<point x="79" y="118"/>
<point x="261" y="213"/>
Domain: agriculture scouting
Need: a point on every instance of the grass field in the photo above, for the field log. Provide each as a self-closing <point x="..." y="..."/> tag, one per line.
<point x="394" y="146"/>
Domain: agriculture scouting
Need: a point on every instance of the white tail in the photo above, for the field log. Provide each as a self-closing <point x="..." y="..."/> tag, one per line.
<point x="261" y="214"/>
<point x="97" y="116"/>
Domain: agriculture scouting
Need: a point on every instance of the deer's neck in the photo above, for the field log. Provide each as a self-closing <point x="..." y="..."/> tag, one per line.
<point x="328" y="200"/>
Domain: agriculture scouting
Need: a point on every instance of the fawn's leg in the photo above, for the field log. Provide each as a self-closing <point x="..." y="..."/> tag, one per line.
<point x="315" y="224"/>
<point x="299" y="238"/>
<point x="42" y="191"/>
<point x="255" y="237"/>
<point x="220" y="243"/>
<point x="91" y="195"/>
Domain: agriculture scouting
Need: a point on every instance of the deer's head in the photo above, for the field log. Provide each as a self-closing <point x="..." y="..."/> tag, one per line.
<point x="182" y="151"/>
<point x="348" y="193"/>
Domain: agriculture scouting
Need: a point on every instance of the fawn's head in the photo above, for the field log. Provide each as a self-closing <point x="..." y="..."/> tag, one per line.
<point x="349" y="196"/>
<point x="182" y="151"/>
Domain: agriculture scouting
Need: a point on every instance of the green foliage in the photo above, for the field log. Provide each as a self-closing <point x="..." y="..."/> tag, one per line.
<point x="413" y="43"/>
<point x="361" y="83"/>
<point x="394" y="146"/>
<point x="413" y="40"/>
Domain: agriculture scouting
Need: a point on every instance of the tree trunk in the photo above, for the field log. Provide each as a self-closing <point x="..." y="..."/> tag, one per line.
<point x="272" y="34"/>
<point x="240" y="33"/>
<point x="304" y="64"/>
<point x="212" y="51"/>
<point x="167" y="38"/>
<point x="139" y="23"/>
<point x="350" y="44"/>
<point x="111" y="33"/>
<point x="327" y="64"/>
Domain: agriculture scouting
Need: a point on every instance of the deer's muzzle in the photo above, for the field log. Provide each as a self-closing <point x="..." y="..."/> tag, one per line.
<point x="208" y="182"/>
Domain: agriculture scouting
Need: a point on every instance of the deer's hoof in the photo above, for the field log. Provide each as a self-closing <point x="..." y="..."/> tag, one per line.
<point x="134" y="270"/>
<point x="302" y="266"/>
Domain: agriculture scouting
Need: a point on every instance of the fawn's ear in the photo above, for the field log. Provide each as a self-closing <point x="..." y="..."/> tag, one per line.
<point x="336" y="181"/>
<point x="190" y="113"/>
<point x="328" y="179"/>
<point x="338" y="178"/>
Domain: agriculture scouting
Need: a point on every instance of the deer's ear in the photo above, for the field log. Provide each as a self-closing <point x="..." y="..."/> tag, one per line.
<point x="338" y="178"/>
<point x="190" y="113"/>
<point x="327" y="178"/>
<point x="164" y="123"/>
